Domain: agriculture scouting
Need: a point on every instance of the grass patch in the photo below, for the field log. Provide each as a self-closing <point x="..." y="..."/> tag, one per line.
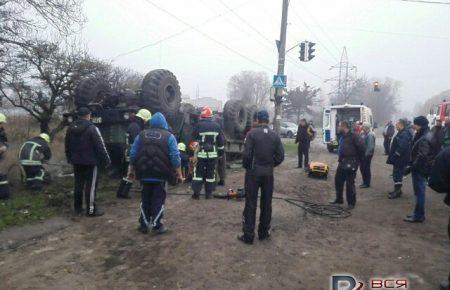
<point x="290" y="148"/>
<point x="25" y="209"/>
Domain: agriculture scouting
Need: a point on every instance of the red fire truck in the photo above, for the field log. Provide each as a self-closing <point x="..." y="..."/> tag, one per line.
<point x="439" y="112"/>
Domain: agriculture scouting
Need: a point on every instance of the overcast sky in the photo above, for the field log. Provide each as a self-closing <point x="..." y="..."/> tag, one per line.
<point x="407" y="41"/>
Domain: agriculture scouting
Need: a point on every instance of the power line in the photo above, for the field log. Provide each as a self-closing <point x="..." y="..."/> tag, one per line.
<point x="206" y="35"/>
<point x="217" y="16"/>
<point x="427" y="2"/>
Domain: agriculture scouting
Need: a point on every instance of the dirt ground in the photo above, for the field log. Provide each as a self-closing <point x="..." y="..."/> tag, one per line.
<point x="201" y="250"/>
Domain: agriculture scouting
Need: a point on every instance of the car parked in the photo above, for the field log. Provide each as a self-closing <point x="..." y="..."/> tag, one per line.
<point x="288" y="130"/>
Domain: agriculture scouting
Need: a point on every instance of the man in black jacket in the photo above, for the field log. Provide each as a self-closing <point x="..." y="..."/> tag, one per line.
<point x="388" y="133"/>
<point x="399" y="156"/>
<point x="4" y="186"/>
<point x="209" y="135"/>
<point x="86" y="150"/>
<point x="262" y="152"/>
<point x="351" y="151"/>
<point x="419" y="167"/>
<point x="303" y="139"/>
<point x="32" y="155"/>
<point x="440" y="181"/>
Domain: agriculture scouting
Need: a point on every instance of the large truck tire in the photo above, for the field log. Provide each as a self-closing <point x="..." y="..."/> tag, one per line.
<point x="251" y="110"/>
<point x="235" y="118"/>
<point x="161" y="92"/>
<point x="91" y="90"/>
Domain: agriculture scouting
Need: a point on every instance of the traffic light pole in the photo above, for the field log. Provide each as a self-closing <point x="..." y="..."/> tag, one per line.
<point x="280" y="71"/>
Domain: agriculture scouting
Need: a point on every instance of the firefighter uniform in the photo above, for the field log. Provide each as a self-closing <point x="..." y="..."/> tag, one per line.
<point x="211" y="146"/>
<point x="263" y="151"/>
<point x="4" y="186"/>
<point x="32" y="155"/>
<point x="86" y="151"/>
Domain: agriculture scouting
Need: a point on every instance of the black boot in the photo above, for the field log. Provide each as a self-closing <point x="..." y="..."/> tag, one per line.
<point x="397" y="193"/>
<point x="245" y="239"/>
<point x="196" y="196"/>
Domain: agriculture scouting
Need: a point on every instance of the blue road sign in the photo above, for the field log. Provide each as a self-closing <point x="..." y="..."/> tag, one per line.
<point x="279" y="81"/>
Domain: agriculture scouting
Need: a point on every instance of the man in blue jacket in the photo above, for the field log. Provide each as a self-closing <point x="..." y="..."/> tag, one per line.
<point x="399" y="155"/>
<point x="154" y="159"/>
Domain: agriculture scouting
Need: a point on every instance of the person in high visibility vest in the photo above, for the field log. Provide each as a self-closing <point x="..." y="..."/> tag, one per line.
<point x="4" y="186"/>
<point x="209" y="135"/>
<point x="33" y="154"/>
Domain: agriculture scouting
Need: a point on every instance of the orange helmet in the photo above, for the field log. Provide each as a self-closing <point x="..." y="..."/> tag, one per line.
<point x="206" y="112"/>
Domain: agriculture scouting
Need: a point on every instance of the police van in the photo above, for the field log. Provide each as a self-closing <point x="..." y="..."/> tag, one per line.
<point x="336" y="113"/>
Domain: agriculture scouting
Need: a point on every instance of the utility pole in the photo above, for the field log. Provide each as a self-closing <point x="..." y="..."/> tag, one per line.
<point x="343" y="79"/>
<point x="281" y="44"/>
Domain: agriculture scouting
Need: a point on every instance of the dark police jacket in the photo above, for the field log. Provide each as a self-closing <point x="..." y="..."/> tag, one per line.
<point x="262" y="152"/>
<point x="421" y="152"/>
<point x="389" y="131"/>
<point x="351" y="151"/>
<point x="85" y="145"/>
<point x="400" y="149"/>
<point x="440" y="174"/>
<point x="34" y="151"/>
<point x="210" y="137"/>
<point x="303" y="136"/>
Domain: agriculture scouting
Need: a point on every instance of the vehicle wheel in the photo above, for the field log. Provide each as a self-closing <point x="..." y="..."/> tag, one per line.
<point x="251" y="110"/>
<point x="235" y="117"/>
<point x="290" y="135"/>
<point x="330" y="148"/>
<point x="91" y="90"/>
<point x="161" y="92"/>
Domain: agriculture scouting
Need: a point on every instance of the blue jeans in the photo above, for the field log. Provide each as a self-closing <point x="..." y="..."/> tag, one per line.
<point x="419" y="185"/>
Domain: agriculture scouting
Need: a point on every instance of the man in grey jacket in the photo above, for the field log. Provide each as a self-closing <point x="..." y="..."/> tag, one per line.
<point x="369" y="140"/>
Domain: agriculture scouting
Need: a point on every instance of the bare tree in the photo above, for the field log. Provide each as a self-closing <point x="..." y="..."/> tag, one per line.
<point x="300" y="101"/>
<point x="251" y="87"/>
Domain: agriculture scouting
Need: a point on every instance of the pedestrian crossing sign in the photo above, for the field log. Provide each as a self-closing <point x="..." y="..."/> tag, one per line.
<point x="279" y="81"/>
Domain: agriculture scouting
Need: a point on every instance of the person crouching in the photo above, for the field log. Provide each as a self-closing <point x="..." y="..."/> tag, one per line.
<point x="154" y="158"/>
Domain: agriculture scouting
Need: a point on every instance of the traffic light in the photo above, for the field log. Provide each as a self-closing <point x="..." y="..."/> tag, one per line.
<point x="302" y="51"/>
<point x="376" y="87"/>
<point x="311" y="50"/>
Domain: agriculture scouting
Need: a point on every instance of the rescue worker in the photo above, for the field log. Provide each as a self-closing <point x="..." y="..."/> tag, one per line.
<point x="154" y="159"/>
<point x="137" y="124"/>
<point x="400" y="152"/>
<point x="440" y="182"/>
<point x="351" y="151"/>
<point x="437" y="137"/>
<point x="211" y="141"/>
<point x="4" y="186"/>
<point x="303" y="139"/>
<point x="32" y="155"/>
<point x="369" y="141"/>
<point x="263" y="151"/>
<point x="388" y="133"/>
<point x="86" y="151"/>
<point x="419" y="167"/>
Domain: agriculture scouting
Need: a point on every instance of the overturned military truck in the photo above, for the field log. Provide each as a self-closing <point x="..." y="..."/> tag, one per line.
<point x="160" y="92"/>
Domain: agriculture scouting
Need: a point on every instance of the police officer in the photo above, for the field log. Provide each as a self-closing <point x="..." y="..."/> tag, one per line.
<point x="86" y="150"/>
<point x="262" y="152"/>
<point x="351" y="151"/>
<point x="211" y="145"/>
<point x="32" y="154"/>
<point x="419" y="166"/>
<point x="4" y="186"/>
<point x="154" y="159"/>
<point x="400" y="152"/>
<point x="137" y="124"/>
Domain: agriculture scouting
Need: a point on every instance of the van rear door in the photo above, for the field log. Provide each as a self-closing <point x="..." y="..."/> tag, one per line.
<point x="326" y="126"/>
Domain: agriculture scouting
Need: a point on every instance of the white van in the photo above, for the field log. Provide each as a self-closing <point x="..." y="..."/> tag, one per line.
<point x="336" y="113"/>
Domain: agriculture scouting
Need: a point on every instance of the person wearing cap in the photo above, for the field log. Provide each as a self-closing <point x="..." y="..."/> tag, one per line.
<point x="399" y="154"/>
<point x="263" y="151"/>
<point x="210" y="137"/>
<point x="419" y="166"/>
<point x="32" y="155"/>
<point x="86" y="151"/>
<point x="4" y="186"/>
<point x="154" y="160"/>
<point x="369" y="140"/>
<point x="137" y="124"/>
<point x="184" y="160"/>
